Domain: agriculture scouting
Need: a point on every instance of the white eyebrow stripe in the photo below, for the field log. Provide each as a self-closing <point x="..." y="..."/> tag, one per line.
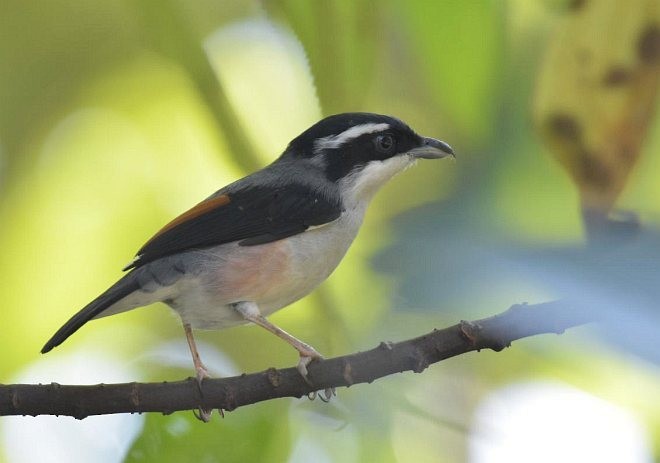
<point x="335" y="141"/>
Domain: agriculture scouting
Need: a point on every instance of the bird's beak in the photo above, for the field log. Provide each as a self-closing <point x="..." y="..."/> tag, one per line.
<point x="432" y="149"/>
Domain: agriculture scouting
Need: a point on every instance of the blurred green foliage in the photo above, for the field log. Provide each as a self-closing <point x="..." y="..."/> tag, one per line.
<point x="116" y="116"/>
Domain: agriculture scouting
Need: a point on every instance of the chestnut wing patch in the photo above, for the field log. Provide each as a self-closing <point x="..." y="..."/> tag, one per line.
<point x="250" y="215"/>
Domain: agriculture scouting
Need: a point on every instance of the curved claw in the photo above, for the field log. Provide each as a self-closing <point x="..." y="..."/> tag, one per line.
<point x="302" y="368"/>
<point x="325" y="395"/>
<point x="306" y="357"/>
<point x="203" y="415"/>
<point x="328" y="394"/>
<point x="200" y="413"/>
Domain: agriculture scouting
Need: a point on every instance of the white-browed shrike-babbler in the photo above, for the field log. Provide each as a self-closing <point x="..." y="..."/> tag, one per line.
<point x="266" y="240"/>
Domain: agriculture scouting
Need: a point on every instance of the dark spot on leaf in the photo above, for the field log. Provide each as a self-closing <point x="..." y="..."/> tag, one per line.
<point x="617" y="75"/>
<point x="565" y="127"/>
<point x="593" y="171"/>
<point x="575" y="5"/>
<point x="648" y="46"/>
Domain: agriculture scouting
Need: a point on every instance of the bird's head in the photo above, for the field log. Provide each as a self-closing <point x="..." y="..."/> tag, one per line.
<point x="361" y="151"/>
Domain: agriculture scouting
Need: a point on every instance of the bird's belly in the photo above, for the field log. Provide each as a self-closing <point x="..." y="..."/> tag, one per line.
<point x="273" y="275"/>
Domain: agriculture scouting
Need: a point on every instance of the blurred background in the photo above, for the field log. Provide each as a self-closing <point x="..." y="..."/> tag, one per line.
<point x="116" y="116"/>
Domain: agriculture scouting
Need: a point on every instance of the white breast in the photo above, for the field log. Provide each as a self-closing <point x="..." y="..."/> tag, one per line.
<point x="272" y="275"/>
<point x="316" y="253"/>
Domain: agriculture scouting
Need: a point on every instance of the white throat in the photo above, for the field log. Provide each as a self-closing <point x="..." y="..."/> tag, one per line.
<point x="359" y="187"/>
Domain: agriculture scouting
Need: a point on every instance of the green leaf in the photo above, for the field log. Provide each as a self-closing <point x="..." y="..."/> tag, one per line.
<point x="460" y="46"/>
<point x="182" y="437"/>
<point x="341" y="39"/>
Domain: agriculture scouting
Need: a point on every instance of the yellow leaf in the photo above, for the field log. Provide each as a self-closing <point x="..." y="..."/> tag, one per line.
<point x="596" y="93"/>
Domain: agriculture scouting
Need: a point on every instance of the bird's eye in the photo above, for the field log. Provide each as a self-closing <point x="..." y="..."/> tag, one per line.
<point x="385" y="144"/>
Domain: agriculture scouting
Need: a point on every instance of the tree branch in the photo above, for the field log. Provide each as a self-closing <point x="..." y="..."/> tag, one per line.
<point x="416" y="354"/>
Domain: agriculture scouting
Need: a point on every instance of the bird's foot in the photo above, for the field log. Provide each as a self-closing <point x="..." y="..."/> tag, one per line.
<point x="203" y="414"/>
<point x="307" y="355"/>
<point x="202" y="373"/>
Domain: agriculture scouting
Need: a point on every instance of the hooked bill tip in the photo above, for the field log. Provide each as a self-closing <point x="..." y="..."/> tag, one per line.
<point x="433" y="149"/>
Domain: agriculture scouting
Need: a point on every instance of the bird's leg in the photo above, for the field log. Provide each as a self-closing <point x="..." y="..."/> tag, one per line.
<point x="202" y="372"/>
<point x="250" y="312"/>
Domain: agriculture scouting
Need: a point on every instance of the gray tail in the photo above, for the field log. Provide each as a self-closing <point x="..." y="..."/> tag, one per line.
<point x="121" y="289"/>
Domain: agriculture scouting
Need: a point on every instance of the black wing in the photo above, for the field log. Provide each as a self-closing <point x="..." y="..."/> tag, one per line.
<point x="250" y="215"/>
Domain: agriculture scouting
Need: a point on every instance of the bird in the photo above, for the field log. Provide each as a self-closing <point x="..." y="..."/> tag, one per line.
<point x="268" y="239"/>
